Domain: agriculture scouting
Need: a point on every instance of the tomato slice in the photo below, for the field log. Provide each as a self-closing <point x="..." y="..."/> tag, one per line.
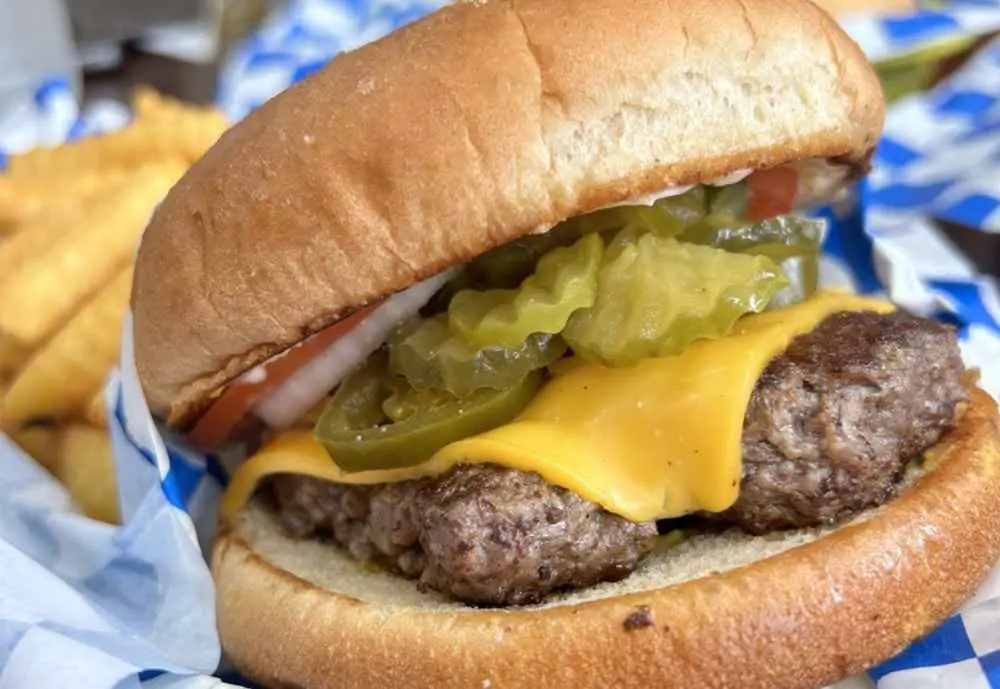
<point x="771" y="192"/>
<point x="239" y="398"/>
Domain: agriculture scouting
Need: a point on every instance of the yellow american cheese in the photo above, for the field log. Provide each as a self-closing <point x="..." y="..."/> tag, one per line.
<point x="656" y="440"/>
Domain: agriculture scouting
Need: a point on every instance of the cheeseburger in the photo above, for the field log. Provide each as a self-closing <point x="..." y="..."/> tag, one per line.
<point x="518" y="311"/>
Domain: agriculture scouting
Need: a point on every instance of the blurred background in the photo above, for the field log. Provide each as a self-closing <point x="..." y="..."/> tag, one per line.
<point x="108" y="46"/>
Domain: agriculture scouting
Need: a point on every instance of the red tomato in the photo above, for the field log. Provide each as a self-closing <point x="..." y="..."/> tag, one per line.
<point x="240" y="397"/>
<point x="771" y="192"/>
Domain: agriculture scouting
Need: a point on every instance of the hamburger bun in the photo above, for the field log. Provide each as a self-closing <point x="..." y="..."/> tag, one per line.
<point x="716" y="611"/>
<point x="477" y="125"/>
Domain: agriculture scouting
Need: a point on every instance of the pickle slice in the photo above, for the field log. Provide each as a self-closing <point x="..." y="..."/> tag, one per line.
<point x="656" y="296"/>
<point x="791" y="242"/>
<point x="430" y="357"/>
<point x="509" y="265"/>
<point x="564" y="282"/>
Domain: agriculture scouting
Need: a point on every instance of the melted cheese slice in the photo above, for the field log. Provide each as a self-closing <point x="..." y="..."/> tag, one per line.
<point x="652" y="441"/>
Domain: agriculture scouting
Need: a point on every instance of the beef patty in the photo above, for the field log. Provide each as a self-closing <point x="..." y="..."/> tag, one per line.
<point x="828" y="431"/>
<point x="481" y="533"/>
<point x="833" y="421"/>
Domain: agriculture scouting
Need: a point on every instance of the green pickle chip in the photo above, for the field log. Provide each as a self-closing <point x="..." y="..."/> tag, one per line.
<point x="431" y="357"/>
<point x="657" y="295"/>
<point x="507" y="266"/>
<point x="777" y="238"/>
<point x="791" y="242"/>
<point x="565" y="281"/>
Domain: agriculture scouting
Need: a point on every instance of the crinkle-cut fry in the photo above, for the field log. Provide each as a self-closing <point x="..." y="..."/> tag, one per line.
<point x="36" y="237"/>
<point x="33" y="235"/>
<point x="65" y="373"/>
<point x="95" y="411"/>
<point x="148" y="103"/>
<point x="86" y="467"/>
<point x="40" y="233"/>
<point x="186" y="133"/>
<point x="13" y="356"/>
<point x="26" y="202"/>
<point x="41" y="442"/>
<point x="41" y="295"/>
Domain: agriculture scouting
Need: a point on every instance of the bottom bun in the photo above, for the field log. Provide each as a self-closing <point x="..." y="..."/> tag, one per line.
<point x="796" y="609"/>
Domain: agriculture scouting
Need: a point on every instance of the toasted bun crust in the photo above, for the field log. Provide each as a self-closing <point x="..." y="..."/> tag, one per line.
<point x="792" y="610"/>
<point x="485" y="121"/>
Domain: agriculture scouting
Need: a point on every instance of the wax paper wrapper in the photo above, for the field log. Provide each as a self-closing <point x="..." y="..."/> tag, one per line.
<point x="89" y="605"/>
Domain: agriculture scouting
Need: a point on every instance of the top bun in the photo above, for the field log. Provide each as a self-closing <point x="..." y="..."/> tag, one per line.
<point x="481" y="123"/>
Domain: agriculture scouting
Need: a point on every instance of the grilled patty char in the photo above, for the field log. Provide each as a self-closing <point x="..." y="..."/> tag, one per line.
<point x="829" y="428"/>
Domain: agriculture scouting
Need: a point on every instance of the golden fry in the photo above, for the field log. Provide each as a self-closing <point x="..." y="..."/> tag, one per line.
<point x="36" y="236"/>
<point x="171" y="132"/>
<point x="41" y="295"/>
<point x="12" y="357"/>
<point x="95" y="411"/>
<point x="28" y="201"/>
<point x="149" y="103"/>
<point x="72" y="366"/>
<point x="86" y="467"/>
<point x="32" y="240"/>
<point x="41" y="442"/>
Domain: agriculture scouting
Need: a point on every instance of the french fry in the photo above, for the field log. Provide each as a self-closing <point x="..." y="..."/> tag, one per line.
<point x="12" y="357"/>
<point x="85" y="465"/>
<point x="42" y="231"/>
<point x="34" y="238"/>
<point x="28" y="201"/>
<point x="70" y="218"/>
<point x="95" y="411"/>
<point x="41" y="442"/>
<point x="169" y="132"/>
<point x="63" y="375"/>
<point x="148" y="103"/>
<point x="41" y="295"/>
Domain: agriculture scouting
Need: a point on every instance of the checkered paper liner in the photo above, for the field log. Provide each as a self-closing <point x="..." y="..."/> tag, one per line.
<point x="883" y="38"/>
<point x="942" y="153"/>
<point x="88" y="605"/>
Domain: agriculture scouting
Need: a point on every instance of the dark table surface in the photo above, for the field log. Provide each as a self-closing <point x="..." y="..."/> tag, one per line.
<point x="195" y="83"/>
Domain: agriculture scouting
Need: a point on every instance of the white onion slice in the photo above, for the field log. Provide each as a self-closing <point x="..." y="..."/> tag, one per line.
<point x="311" y="383"/>
<point x="731" y="178"/>
<point x="650" y="199"/>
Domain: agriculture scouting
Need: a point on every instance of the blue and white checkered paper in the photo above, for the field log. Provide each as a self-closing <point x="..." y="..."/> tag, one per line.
<point x="886" y="37"/>
<point x="87" y="605"/>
